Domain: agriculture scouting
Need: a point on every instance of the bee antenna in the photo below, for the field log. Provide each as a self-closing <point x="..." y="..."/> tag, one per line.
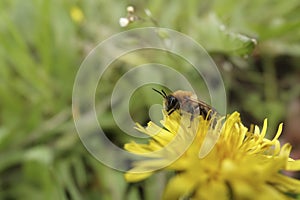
<point x="162" y="93"/>
<point x="165" y="95"/>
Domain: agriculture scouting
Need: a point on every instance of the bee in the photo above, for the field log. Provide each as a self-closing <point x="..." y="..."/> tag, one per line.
<point x="186" y="101"/>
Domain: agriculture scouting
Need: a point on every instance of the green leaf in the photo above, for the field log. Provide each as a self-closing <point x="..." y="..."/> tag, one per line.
<point x="42" y="154"/>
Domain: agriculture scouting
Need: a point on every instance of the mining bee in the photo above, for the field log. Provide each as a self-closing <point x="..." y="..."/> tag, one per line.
<point x="186" y="101"/>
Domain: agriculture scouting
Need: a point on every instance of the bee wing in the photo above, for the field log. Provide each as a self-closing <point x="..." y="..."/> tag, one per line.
<point x="202" y="104"/>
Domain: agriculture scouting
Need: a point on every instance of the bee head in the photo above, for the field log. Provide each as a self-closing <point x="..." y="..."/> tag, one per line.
<point x="171" y="102"/>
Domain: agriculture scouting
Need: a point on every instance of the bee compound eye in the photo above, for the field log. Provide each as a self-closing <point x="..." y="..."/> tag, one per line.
<point x="172" y="102"/>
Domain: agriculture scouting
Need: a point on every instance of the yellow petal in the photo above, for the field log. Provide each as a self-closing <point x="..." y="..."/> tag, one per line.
<point x="135" y="177"/>
<point x="285" y="183"/>
<point x="179" y="186"/>
<point x="293" y="165"/>
<point x="213" y="190"/>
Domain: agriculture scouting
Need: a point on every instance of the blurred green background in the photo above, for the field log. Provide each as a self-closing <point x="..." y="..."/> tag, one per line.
<point x="44" y="42"/>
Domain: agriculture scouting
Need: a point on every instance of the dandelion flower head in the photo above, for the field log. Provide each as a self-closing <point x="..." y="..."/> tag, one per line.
<point x="217" y="158"/>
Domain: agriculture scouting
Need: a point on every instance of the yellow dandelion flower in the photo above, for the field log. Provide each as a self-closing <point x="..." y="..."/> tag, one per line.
<point x="215" y="159"/>
<point x="77" y="14"/>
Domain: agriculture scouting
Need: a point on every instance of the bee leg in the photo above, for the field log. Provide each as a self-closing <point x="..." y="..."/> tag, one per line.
<point x="190" y="124"/>
<point x="191" y="119"/>
<point x="205" y="114"/>
<point x="171" y="111"/>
